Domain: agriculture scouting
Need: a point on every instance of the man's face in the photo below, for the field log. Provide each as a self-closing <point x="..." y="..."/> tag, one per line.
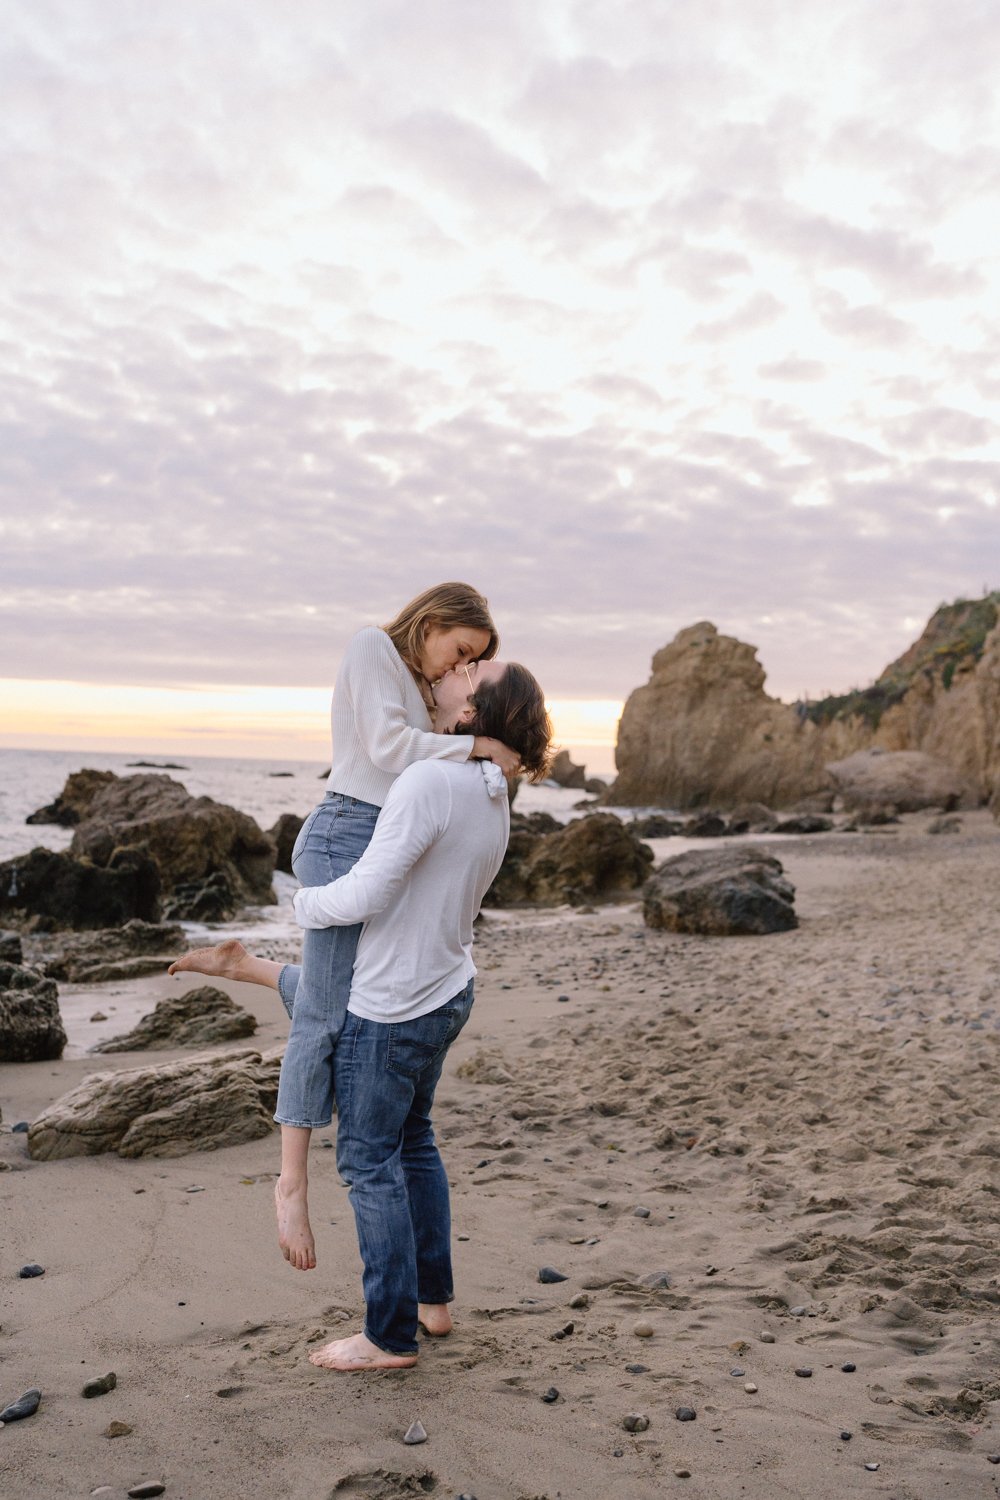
<point x="454" y="693"/>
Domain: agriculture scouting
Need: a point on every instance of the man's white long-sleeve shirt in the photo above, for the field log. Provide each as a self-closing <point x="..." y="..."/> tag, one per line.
<point x="438" y="844"/>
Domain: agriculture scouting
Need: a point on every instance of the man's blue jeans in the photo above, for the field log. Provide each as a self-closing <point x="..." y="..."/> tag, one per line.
<point x="315" y="993"/>
<point x="386" y="1074"/>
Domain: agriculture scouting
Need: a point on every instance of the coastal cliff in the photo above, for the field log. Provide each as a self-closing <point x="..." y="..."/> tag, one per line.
<point x="703" y="731"/>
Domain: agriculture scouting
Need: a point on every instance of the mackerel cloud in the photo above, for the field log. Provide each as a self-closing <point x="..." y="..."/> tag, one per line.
<point x="632" y="319"/>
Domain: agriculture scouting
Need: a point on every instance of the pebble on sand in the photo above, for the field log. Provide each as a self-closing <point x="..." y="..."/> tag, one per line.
<point x="642" y="1329"/>
<point x="116" y="1429"/>
<point x="766" y="1337"/>
<point x="640" y="1212"/>
<point x="21" y="1128"/>
<point x="872" y="1468"/>
<point x="415" y="1433"/>
<point x="26" y="1272"/>
<point x="147" y="1490"/>
<point x="549" y="1275"/>
<point x="845" y="1436"/>
<point x="993" y="1458"/>
<point x="636" y="1421"/>
<point x="750" y="1388"/>
<point x="581" y="1300"/>
<point x="636" y="1369"/>
<point x="24" y="1406"/>
<point x="848" y="1369"/>
<point x="804" y="1372"/>
<point x="550" y="1395"/>
<point x="686" y="1414"/>
<point x="682" y="1473"/>
<point x="100" y="1385"/>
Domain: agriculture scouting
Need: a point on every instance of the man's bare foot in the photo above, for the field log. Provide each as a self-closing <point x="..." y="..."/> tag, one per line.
<point x="359" y="1353"/>
<point x="225" y="961"/>
<point x="434" y="1318"/>
<point x="294" y="1233"/>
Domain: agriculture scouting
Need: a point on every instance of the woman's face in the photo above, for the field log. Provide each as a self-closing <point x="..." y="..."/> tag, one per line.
<point x="443" y="650"/>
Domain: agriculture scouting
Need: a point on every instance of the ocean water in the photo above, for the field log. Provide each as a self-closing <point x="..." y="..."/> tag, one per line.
<point x="29" y="779"/>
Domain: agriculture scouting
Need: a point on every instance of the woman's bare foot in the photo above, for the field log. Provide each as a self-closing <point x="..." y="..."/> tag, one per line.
<point x="225" y="961"/>
<point x="434" y="1318"/>
<point x="294" y="1233"/>
<point x="359" y="1353"/>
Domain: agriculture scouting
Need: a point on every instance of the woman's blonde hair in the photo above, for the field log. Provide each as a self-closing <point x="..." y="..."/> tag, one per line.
<point x="441" y="608"/>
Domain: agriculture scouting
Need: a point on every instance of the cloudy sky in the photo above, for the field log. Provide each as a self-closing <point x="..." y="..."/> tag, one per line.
<point x="631" y="313"/>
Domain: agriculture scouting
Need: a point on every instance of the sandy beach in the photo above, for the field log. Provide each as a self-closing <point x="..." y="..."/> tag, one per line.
<point x="779" y="1153"/>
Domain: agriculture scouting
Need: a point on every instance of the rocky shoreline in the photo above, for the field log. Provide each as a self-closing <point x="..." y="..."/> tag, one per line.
<point x="758" y="1154"/>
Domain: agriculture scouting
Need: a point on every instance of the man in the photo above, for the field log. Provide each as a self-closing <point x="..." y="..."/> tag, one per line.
<point x="438" y="844"/>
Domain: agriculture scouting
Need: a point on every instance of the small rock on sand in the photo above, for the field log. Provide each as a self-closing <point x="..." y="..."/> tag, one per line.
<point x="116" y="1429"/>
<point x="686" y="1414"/>
<point x="100" y="1385"/>
<point x="28" y="1271"/>
<point x="549" y="1275"/>
<point x="147" y="1490"/>
<point x="642" y="1329"/>
<point x="636" y="1421"/>
<point x="415" y="1433"/>
<point x="24" y="1406"/>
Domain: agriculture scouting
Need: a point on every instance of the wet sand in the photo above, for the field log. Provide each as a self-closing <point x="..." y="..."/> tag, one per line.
<point x="811" y="1119"/>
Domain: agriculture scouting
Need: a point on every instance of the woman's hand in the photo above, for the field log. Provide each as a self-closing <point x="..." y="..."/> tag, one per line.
<point x="483" y="748"/>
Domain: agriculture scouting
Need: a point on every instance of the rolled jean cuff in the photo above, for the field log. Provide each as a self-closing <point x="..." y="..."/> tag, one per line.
<point x="304" y="1124"/>
<point x="287" y="983"/>
<point x="414" y="1348"/>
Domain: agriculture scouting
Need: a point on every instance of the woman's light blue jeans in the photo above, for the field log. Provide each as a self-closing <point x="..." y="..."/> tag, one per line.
<point x="386" y="1074"/>
<point x="315" y="993"/>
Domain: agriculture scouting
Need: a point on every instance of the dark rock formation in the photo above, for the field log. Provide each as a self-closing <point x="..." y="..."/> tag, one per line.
<point x="536" y="822"/>
<point x="564" y="773"/>
<point x="654" y="826"/>
<point x="706" y="825"/>
<point x="190" y="838"/>
<point x="45" y="891"/>
<point x="197" y="1104"/>
<point x="11" y="947"/>
<point x="720" y="892"/>
<point x="212" y="899"/>
<point x="126" y="952"/>
<point x="592" y="859"/>
<point x="74" y="799"/>
<point x="283" y="835"/>
<point x="804" y="823"/>
<point x="195" y="1018"/>
<point x="31" y="1028"/>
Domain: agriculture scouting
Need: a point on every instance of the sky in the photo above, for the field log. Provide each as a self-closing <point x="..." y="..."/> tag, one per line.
<point x="632" y="314"/>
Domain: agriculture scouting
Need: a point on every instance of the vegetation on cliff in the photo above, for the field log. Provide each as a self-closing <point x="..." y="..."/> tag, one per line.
<point x="952" y="641"/>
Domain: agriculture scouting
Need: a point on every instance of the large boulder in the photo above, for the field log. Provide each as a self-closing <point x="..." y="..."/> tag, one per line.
<point x="75" y="798"/>
<point x="565" y="773"/>
<point x="45" y="890"/>
<point x="720" y="893"/>
<point x="197" y="1104"/>
<point x="906" y="780"/>
<point x="190" y="838"/>
<point x="703" y="731"/>
<point x="283" y="835"/>
<point x="592" y="859"/>
<point x="31" y="1028"/>
<point x="126" y="952"/>
<point x="195" y="1018"/>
